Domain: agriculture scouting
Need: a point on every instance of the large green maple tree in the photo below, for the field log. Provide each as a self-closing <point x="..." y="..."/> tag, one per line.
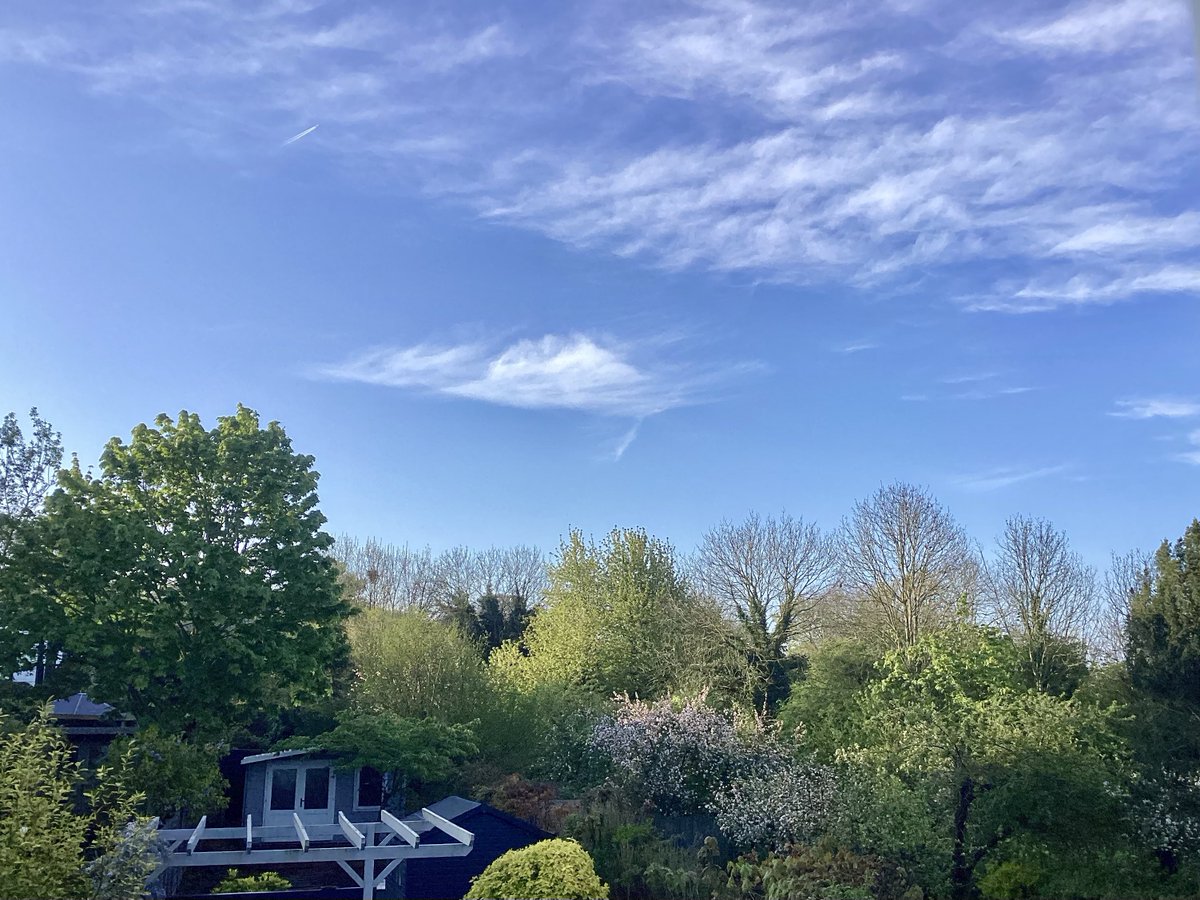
<point x="189" y="582"/>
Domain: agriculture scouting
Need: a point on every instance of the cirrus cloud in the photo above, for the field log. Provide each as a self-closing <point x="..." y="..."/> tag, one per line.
<point x="1018" y="158"/>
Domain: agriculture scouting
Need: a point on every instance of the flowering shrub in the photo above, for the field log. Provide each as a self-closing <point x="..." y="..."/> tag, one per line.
<point x="1167" y="812"/>
<point x="775" y="809"/>
<point x="673" y="757"/>
<point x="689" y="758"/>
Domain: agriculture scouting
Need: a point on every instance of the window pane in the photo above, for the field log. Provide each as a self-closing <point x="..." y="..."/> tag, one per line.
<point x="316" y="788"/>
<point x="283" y="789"/>
<point x="370" y="787"/>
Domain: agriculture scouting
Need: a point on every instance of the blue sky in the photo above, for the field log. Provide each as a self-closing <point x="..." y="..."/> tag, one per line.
<point x="506" y="269"/>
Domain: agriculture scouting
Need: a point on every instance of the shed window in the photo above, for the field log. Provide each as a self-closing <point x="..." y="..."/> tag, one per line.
<point x="370" y="787"/>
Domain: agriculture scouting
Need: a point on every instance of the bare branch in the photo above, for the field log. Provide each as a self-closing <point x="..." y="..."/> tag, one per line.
<point x="905" y="558"/>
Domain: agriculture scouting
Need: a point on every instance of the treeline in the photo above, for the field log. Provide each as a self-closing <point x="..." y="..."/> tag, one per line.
<point x="897" y="567"/>
<point x="877" y="710"/>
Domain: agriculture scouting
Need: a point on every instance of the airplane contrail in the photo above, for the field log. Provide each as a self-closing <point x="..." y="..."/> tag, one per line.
<point x="296" y="137"/>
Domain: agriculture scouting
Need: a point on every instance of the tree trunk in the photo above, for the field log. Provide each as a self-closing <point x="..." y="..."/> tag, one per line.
<point x="961" y="881"/>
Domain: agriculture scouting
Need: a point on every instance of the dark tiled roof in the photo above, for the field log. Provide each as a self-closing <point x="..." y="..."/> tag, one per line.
<point x="80" y="707"/>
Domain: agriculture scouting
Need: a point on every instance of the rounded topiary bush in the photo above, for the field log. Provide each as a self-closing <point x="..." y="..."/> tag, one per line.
<point x="548" y="870"/>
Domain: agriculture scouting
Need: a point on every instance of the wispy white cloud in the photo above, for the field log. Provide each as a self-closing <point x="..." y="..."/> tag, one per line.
<point x="856" y="347"/>
<point x="1102" y="25"/>
<point x="969" y="377"/>
<point x="1004" y="476"/>
<point x="1087" y="289"/>
<point x="1192" y="456"/>
<point x="1131" y="234"/>
<point x="553" y="372"/>
<point x="1046" y="150"/>
<point x="1156" y="407"/>
<point x="990" y="393"/>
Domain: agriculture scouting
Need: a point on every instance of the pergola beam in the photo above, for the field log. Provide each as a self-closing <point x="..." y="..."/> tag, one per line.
<point x="457" y="832"/>
<point x="315" y="854"/>
<point x="407" y="834"/>
<point x="197" y="833"/>
<point x="301" y="834"/>
<point x="353" y="835"/>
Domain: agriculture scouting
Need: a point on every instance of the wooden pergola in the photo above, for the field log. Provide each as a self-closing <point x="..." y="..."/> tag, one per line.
<point x="387" y="842"/>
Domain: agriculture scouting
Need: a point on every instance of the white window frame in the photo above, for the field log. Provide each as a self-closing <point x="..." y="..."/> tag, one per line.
<point x="357" y="777"/>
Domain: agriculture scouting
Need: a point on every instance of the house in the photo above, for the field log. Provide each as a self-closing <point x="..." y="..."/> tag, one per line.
<point x="496" y="833"/>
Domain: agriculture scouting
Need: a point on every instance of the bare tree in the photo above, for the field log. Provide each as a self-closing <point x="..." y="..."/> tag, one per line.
<point x="458" y="573"/>
<point x="387" y="576"/>
<point x="769" y="574"/>
<point x="1043" y="595"/>
<point x="905" y="559"/>
<point x="1127" y="575"/>
<point x="523" y="574"/>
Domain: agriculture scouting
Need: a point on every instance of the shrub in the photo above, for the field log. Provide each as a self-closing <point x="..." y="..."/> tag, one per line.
<point x="41" y="836"/>
<point x="534" y="801"/>
<point x="47" y="849"/>
<point x="639" y="861"/>
<point x="543" y="871"/>
<point x="176" y="777"/>
<point x="816" y="873"/>
<point x="673" y="755"/>
<point x="236" y="883"/>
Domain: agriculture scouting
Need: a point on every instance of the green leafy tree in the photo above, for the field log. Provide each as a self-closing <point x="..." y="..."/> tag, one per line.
<point x="822" y="712"/>
<point x="1163" y="660"/>
<point x="28" y="468"/>
<point x="953" y="719"/>
<point x="617" y="619"/>
<point x="406" y="750"/>
<point x="548" y="869"/>
<point x="1164" y="624"/>
<point x="189" y="583"/>
<point x="411" y="665"/>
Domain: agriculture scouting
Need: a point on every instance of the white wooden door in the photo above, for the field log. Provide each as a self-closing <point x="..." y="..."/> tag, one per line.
<point x="299" y="787"/>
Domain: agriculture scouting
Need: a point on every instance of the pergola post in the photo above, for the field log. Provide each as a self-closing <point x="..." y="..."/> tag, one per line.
<point x="369" y="879"/>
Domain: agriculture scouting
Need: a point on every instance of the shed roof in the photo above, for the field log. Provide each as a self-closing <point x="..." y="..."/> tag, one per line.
<point x="278" y="754"/>
<point x="458" y="809"/>
<point x="80" y="706"/>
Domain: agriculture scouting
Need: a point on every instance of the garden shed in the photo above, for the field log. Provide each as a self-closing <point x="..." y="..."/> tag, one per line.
<point x="309" y="784"/>
<point x="496" y="833"/>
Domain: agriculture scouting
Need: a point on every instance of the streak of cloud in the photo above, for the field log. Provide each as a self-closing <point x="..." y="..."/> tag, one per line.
<point x="1156" y="407"/>
<point x="1004" y="476"/>
<point x="296" y="137"/>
